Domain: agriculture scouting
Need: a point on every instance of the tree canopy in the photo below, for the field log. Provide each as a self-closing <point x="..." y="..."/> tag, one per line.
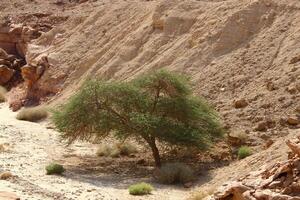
<point x="155" y="107"/>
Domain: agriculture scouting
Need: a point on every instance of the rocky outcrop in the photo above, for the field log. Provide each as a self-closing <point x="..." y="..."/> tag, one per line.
<point x="15" y="38"/>
<point x="5" y="74"/>
<point x="277" y="181"/>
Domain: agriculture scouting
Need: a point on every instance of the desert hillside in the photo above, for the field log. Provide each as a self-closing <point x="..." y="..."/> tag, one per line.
<point x="232" y="50"/>
<point x="243" y="56"/>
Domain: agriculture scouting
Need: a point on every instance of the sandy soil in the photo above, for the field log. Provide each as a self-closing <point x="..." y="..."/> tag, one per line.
<point x="32" y="146"/>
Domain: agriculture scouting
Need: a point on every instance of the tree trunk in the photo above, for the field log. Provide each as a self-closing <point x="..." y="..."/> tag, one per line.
<point x="155" y="151"/>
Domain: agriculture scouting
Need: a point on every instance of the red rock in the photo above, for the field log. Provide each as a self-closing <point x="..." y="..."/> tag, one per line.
<point x="5" y="74"/>
<point x="242" y="103"/>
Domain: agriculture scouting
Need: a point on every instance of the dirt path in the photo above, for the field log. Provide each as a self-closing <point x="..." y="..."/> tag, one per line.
<point x="32" y="146"/>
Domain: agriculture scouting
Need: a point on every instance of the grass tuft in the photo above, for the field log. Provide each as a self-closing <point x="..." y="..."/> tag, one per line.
<point x="140" y="189"/>
<point x="54" y="168"/>
<point x="32" y="114"/>
<point x="244" y="152"/>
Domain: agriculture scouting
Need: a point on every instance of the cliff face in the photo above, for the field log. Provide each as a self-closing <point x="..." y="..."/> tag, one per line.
<point x="233" y="50"/>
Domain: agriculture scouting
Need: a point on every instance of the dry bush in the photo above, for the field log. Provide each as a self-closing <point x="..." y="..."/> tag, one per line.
<point x="2" y="94"/>
<point x="202" y="194"/>
<point x="32" y="114"/>
<point x="172" y="173"/>
<point x="115" y="150"/>
<point x="104" y="150"/>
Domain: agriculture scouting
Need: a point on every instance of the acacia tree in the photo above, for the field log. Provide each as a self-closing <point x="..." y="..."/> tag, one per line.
<point x="155" y="107"/>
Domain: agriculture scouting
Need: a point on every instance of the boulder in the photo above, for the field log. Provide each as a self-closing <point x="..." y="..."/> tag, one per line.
<point x="5" y="74"/>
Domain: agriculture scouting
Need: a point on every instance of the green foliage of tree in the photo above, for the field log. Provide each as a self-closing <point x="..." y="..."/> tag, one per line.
<point x="155" y="107"/>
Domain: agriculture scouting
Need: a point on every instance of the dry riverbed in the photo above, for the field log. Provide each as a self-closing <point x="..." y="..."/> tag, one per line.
<point x="31" y="146"/>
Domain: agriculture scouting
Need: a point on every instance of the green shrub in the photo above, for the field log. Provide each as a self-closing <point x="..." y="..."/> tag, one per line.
<point x="115" y="150"/>
<point x="54" y="169"/>
<point x="140" y="189"/>
<point x="172" y="173"/>
<point x="2" y="94"/>
<point x="32" y="114"/>
<point x="244" y="152"/>
<point x="158" y="107"/>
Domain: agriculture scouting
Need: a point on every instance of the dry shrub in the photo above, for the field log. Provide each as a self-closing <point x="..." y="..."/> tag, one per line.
<point x="104" y="150"/>
<point x="115" y="150"/>
<point x="2" y="94"/>
<point x="32" y="114"/>
<point x="202" y="194"/>
<point x="172" y="173"/>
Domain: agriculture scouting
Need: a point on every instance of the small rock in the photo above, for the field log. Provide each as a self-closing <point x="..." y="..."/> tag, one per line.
<point x="293" y="121"/>
<point x="295" y="59"/>
<point x="268" y="144"/>
<point x="262" y="126"/>
<point x="292" y="89"/>
<point x="242" y="103"/>
<point x="271" y="86"/>
<point x="5" y="175"/>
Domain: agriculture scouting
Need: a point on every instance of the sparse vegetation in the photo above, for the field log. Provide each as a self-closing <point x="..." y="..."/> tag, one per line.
<point x="32" y="114"/>
<point x="2" y="94"/>
<point x="152" y="108"/>
<point x="140" y="189"/>
<point x="104" y="150"/>
<point x="125" y="149"/>
<point x="202" y="194"/>
<point x="244" y="152"/>
<point x="54" y="168"/>
<point x="172" y="173"/>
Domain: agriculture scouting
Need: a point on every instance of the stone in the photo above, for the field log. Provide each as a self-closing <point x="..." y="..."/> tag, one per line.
<point x="262" y="126"/>
<point x="295" y="59"/>
<point x="292" y="89"/>
<point x="5" y="175"/>
<point x="242" y="103"/>
<point x="5" y="74"/>
<point x="271" y="86"/>
<point x="294" y="145"/>
<point x="293" y="121"/>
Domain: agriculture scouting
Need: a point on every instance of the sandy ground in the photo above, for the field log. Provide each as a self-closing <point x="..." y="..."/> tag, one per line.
<point x="32" y="146"/>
